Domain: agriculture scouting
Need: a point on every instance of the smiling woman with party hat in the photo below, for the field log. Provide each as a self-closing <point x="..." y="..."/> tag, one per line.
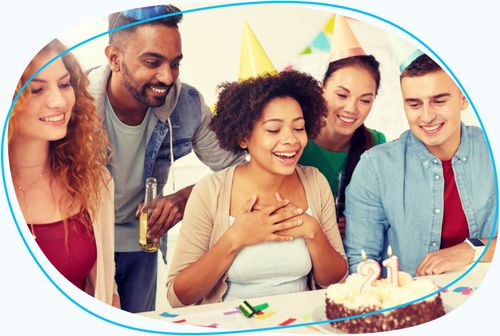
<point x="350" y="86"/>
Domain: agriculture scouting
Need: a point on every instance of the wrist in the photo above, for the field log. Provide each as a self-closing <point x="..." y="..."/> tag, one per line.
<point x="233" y="241"/>
<point x="476" y="247"/>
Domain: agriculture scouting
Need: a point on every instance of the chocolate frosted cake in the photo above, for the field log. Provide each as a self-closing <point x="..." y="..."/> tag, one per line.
<point x="347" y="299"/>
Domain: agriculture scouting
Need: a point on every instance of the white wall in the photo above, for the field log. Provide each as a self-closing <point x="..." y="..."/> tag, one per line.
<point x="212" y="42"/>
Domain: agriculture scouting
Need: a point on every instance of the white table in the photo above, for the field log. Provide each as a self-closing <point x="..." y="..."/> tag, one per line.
<point x="303" y="307"/>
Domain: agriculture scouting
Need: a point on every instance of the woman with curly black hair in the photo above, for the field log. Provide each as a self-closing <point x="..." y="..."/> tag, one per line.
<point x="267" y="226"/>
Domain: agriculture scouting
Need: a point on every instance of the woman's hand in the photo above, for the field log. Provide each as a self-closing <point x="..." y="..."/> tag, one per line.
<point x="253" y="226"/>
<point x="307" y="230"/>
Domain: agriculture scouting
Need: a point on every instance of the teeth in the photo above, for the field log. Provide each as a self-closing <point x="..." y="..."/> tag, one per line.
<point x="158" y="91"/>
<point x="287" y="155"/>
<point x="431" y="128"/>
<point x="55" y="118"/>
<point x="346" y="119"/>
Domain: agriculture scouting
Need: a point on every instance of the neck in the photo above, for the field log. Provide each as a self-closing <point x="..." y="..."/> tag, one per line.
<point x="333" y="141"/>
<point x="445" y="153"/>
<point x="128" y="109"/>
<point x="262" y="180"/>
<point x="28" y="157"/>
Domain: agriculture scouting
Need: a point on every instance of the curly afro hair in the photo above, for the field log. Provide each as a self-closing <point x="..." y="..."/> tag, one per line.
<point x="240" y="105"/>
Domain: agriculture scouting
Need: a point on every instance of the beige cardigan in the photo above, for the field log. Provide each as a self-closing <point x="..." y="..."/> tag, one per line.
<point x="101" y="281"/>
<point x="206" y="218"/>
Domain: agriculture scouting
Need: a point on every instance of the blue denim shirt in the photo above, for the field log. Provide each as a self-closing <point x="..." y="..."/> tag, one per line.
<point x="189" y="117"/>
<point x="395" y="198"/>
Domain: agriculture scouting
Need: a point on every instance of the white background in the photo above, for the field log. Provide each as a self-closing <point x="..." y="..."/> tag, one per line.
<point x="459" y="34"/>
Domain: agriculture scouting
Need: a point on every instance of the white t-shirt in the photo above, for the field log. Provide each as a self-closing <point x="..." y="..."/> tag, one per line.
<point x="269" y="268"/>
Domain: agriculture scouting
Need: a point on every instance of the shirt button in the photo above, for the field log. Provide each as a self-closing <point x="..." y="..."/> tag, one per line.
<point x="464" y="158"/>
<point x="436" y="177"/>
<point x="435" y="161"/>
<point x="437" y="211"/>
<point x="434" y="244"/>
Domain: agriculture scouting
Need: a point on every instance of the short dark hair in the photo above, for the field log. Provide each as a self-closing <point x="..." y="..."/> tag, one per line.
<point x="120" y="19"/>
<point x="422" y="65"/>
<point x="240" y="105"/>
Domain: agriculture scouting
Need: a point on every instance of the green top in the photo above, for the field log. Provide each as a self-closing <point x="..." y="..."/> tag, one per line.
<point x="331" y="163"/>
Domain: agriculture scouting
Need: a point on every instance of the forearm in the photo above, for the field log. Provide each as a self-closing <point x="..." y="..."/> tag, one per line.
<point x="488" y="256"/>
<point x="329" y="266"/>
<point x="116" y="301"/>
<point x="198" y="279"/>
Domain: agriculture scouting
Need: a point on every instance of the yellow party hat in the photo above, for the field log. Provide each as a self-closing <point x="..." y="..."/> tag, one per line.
<point x="344" y="43"/>
<point x="253" y="60"/>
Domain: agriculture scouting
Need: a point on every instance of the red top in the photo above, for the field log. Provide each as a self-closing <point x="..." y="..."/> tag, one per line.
<point x="75" y="258"/>
<point x="455" y="228"/>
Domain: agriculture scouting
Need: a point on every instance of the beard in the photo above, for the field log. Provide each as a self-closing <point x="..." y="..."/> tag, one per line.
<point x="140" y="93"/>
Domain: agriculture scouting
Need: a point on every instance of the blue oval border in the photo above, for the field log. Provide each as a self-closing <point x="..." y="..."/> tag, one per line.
<point x="314" y="3"/>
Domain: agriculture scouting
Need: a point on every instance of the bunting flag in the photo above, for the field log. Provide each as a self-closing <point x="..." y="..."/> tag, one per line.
<point x="321" y="42"/>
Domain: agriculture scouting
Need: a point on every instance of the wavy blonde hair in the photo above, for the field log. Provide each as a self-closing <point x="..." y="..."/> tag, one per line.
<point x="78" y="160"/>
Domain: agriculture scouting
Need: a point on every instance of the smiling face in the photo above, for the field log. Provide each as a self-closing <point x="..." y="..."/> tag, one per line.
<point x="433" y="105"/>
<point x="148" y="63"/>
<point x="349" y="93"/>
<point x="45" y="115"/>
<point x="278" y="137"/>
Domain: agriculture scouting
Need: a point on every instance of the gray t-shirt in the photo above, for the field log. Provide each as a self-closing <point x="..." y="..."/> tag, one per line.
<point x="127" y="167"/>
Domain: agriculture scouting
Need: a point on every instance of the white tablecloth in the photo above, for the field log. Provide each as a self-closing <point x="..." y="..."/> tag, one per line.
<point x="305" y="307"/>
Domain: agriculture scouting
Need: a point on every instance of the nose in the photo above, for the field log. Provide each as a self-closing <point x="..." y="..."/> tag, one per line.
<point x="288" y="138"/>
<point x="165" y="75"/>
<point x="55" y="99"/>
<point x="428" y="114"/>
<point x="350" y="106"/>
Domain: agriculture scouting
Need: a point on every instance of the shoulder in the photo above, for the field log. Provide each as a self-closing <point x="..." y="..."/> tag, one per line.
<point x="378" y="137"/>
<point x="189" y="91"/>
<point x="312" y="175"/>
<point x="98" y="76"/>
<point x="214" y="182"/>
<point x="476" y="134"/>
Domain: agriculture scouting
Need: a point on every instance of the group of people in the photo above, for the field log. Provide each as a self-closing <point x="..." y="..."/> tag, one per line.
<point x="319" y="186"/>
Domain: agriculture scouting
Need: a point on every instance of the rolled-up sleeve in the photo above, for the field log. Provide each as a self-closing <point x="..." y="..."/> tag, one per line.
<point x="366" y="221"/>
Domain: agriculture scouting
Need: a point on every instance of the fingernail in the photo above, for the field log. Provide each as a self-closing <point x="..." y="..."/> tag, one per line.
<point x="299" y="210"/>
<point x="299" y="221"/>
<point x="287" y="201"/>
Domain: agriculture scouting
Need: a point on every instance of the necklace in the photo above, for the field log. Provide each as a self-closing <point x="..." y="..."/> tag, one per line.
<point x="24" y="192"/>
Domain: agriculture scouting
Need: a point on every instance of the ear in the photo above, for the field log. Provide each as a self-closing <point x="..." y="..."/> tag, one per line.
<point x="113" y="55"/>
<point x="464" y="101"/>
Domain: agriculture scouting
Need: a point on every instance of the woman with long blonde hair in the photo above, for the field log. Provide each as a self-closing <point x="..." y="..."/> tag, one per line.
<point x="58" y="150"/>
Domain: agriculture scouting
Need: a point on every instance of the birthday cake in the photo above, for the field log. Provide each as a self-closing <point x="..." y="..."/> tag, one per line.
<point x="355" y="296"/>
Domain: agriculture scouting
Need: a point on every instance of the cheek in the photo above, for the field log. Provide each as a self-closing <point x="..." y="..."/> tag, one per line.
<point x="70" y="100"/>
<point x="364" y="110"/>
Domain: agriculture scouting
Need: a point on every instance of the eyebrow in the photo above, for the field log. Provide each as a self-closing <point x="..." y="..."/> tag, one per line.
<point x="440" y="95"/>
<point x="346" y="89"/>
<point x="281" y="120"/>
<point x="39" y="80"/>
<point x="160" y="56"/>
